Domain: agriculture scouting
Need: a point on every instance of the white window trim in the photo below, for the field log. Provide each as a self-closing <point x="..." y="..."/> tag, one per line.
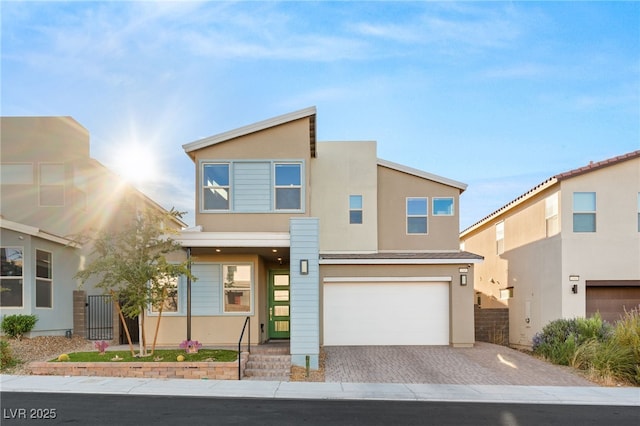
<point x="203" y="187"/>
<point x="21" y="248"/>
<point x="50" y="280"/>
<point x="251" y="289"/>
<point x="499" y="227"/>
<point x="178" y="312"/>
<point x="5" y="166"/>
<point x="426" y="215"/>
<point x="453" y="206"/>
<point x="274" y="164"/>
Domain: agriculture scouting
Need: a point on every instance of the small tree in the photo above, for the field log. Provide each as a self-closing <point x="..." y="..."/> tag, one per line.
<point x="131" y="266"/>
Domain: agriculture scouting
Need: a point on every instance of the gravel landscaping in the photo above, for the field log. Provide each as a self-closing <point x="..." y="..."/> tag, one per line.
<point x="43" y="348"/>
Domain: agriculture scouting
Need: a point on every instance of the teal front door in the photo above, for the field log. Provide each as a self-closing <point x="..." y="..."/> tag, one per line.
<point x="279" y="295"/>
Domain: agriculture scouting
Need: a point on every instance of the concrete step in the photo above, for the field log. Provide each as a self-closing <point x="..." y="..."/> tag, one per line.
<point x="271" y="349"/>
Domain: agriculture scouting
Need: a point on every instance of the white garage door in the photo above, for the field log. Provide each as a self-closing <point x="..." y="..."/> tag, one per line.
<point x="386" y="313"/>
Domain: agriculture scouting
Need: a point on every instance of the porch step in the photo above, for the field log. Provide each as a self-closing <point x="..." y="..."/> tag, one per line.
<point x="269" y="365"/>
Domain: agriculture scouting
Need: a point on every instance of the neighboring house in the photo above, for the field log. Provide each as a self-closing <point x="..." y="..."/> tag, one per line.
<point x="320" y="243"/>
<point x="570" y="247"/>
<point x="53" y="193"/>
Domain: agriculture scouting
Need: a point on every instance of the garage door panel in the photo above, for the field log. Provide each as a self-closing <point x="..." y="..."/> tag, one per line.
<point x="386" y="313"/>
<point x="612" y="302"/>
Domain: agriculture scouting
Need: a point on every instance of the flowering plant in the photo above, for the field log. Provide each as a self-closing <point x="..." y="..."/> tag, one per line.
<point x="190" y="346"/>
<point x="101" y="346"/>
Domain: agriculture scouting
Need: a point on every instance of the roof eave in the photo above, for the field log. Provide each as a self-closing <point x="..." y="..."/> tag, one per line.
<point x="422" y="174"/>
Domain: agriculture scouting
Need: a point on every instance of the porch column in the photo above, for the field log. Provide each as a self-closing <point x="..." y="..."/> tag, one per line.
<point x="305" y="292"/>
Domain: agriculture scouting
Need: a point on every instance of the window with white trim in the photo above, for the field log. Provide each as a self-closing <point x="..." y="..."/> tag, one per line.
<point x="215" y="186"/>
<point x="355" y="209"/>
<point x="166" y="293"/>
<point x="51" y="184"/>
<point x="44" y="280"/>
<point x="500" y="237"/>
<point x="551" y="215"/>
<point x="417" y="215"/>
<point x="16" y="174"/>
<point x="442" y="206"/>
<point x="584" y="212"/>
<point x="11" y="277"/>
<point x="237" y="288"/>
<point x="288" y="186"/>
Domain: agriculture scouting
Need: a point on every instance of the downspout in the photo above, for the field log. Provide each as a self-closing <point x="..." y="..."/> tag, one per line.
<point x="189" y="294"/>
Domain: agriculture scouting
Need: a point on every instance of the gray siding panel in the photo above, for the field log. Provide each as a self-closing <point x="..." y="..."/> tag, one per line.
<point x="305" y="292"/>
<point x="252" y="187"/>
<point x="206" y="291"/>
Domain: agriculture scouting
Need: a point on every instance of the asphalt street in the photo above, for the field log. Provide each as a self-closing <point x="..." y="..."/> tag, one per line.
<point x="22" y="408"/>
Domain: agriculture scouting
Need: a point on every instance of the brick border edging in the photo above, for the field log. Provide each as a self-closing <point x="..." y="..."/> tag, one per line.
<point x="152" y="370"/>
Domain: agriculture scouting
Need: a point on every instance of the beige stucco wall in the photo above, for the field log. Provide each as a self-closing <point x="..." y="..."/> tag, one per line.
<point x="289" y="141"/>
<point x="393" y="189"/>
<point x="342" y="169"/>
<point x="461" y="318"/>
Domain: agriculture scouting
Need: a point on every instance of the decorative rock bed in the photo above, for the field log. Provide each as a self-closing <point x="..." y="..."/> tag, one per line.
<point x="155" y="370"/>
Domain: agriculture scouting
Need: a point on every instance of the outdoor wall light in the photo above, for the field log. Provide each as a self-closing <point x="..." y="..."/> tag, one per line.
<point x="574" y="289"/>
<point x="463" y="280"/>
<point x="304" y="267"/>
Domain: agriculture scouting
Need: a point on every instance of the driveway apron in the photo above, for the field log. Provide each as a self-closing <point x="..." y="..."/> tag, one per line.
<point x="484" y="364"/>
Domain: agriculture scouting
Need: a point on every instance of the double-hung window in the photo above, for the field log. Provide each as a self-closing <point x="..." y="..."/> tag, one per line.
<point x="165" y="295"/>
<point x="215" y="186"/>
<point x="551" y="215"/>
<point x="288" y="186"/>
<point x="500" y="237"/>
<point x="355" y="209"/>
<point x="11" y="278"/>
<point x="442" y="206"/>
<point x="44" y="280"/>
<point x="584" y="212"/>
<point x="52" y="184"/>
<point x="417" y="214"/>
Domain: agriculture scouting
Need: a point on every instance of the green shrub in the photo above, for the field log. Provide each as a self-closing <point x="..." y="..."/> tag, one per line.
<point x="17" y="325"/>
<point x="606" y="360"/>
<point x="6" y="357"/>
<point x="627" y="334"/>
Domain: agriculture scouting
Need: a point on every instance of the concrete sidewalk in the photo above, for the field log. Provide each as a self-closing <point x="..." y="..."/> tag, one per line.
<point x="570" y="395"/>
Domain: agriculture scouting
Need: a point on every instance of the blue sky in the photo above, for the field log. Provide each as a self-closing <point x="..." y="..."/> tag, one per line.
<point x="499" y="95"/>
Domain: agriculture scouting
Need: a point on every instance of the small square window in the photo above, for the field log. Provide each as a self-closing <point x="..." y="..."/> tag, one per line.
<point x="442" y="206"/>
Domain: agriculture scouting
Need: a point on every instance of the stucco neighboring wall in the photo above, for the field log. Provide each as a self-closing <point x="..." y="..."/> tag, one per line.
<point x="393" y="189"/>
<point x="342" y="169"/>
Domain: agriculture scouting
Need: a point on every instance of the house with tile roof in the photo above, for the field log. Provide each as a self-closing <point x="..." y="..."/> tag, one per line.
<point x="319" y="243"/>
<point x="569" y="247"/>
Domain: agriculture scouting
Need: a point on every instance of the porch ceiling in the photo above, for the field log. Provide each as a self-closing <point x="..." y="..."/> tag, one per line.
<point x="270" y="254"/>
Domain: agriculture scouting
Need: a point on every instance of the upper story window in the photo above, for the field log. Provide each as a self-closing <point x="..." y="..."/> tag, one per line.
<point x="417" y="213"/>
<point x="584" y="212"/>
<point x="44" y="280"/>
<point x="551" y="215"/>
<point x="288" y="186"/>
<point x="500" y="237"/>
<point x="11" y="278"/>
<point x="355" y="209"/>
<point x="52" y="184"/>
<point x="216" y="189"/>
<point x="16" y="174"/>
<point x="442" y="206"/>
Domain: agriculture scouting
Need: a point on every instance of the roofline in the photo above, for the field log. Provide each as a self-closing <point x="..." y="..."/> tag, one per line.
<point x="422" y="174"/>
<point x="248" y="129"/>
<point x="371" y="261"/>
<point x="547" y="184"/>
<point x="36" y="232"/>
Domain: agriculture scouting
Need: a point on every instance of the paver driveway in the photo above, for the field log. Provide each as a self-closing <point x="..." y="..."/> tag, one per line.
<point x="484" y="364"/>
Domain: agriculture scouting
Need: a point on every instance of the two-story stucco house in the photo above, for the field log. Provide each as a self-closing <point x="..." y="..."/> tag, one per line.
<point x="320" y="243"/>
<point x="52" y="192"/>
<point x="567" y="248"/>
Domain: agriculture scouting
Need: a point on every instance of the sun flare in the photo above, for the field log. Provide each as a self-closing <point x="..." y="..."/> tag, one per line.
<point x="136" y="164"/>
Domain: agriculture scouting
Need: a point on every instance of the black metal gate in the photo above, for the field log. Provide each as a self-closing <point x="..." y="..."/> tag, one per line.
<point x="100" y="317"/>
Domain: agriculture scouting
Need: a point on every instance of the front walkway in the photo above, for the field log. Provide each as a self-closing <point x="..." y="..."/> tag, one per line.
<point x="484" y="364"/>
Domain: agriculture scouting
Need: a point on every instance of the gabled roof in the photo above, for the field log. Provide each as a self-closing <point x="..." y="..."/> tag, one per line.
<point x="552" y="181"/>
<point x="256" y="127"/>
<point x="422" y="174"/>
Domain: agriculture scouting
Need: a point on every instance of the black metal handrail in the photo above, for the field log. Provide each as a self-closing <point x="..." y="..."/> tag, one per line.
<point x="246" y="321"/>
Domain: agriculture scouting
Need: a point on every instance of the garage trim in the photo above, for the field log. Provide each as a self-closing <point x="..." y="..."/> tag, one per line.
<point x="385" y="279"/>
